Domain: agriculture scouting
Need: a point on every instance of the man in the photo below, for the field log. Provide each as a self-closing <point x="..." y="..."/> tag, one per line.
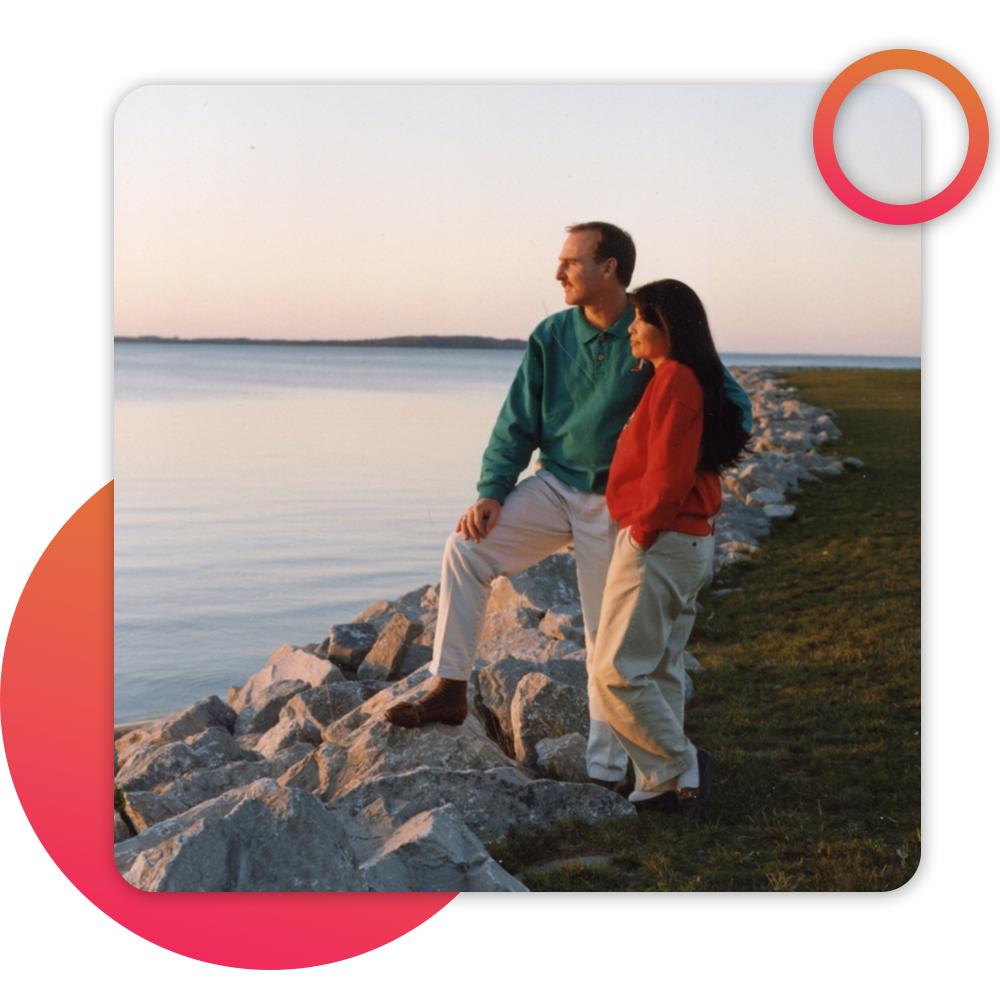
<point x="576" y="388"/>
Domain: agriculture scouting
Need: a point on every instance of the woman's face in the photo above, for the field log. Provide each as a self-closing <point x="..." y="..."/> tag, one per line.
<point x="649" y="341"/>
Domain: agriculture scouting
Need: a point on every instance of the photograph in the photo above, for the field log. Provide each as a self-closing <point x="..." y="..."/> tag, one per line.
<point x="517" y="488"/>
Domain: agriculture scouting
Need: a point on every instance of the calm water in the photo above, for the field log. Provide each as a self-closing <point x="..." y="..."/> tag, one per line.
<point x="263" y="494"/>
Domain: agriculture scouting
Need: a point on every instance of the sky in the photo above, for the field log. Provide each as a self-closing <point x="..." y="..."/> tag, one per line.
<point x="346" y="212"/>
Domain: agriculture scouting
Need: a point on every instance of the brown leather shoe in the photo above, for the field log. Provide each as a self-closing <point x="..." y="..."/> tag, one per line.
<point x="695" y="800"/>
<point x="445" y="703"/>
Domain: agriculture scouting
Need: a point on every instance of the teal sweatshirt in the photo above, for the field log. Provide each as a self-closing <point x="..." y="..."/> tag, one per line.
<point x="572" y="395"/>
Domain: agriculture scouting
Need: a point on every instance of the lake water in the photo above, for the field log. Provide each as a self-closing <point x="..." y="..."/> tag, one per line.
<point x="263" y="494"/>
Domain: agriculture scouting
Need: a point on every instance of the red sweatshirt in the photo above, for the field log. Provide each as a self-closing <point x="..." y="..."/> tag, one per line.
<point x="652" y="486"/>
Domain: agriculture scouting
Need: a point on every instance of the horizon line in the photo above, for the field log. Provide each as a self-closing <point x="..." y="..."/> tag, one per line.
<point x="431" y="341"/>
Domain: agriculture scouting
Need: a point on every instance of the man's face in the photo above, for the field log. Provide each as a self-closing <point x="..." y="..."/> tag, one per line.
<point x="582" y="278"/>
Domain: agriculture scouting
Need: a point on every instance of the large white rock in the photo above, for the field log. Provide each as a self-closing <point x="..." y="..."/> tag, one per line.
<point x="364" y="745"/>
<point x="500" y="623"/>
<point x="257" y="839"/>
<point x="490" y="802"/>
<point x="292" y="728"/>
<point x="563" y="758"/>
<point x="435" y="852"/>
<point x="543" y="708"/>
<point x="287" y="663"/>
<point x="550" y="582"/>
<point x="148" y="807"/>
<point x="208" y="713"/>
<point x="763" y="496"/>
<point x="525" y="644"/>
<point x="496" y="683"/>
<point x="385" y="659"/>
<point x="779" y="511"/>
<point x="265" y="705"/>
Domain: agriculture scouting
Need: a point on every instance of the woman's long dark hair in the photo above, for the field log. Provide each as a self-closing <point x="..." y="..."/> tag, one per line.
<point x="671" y="306"/>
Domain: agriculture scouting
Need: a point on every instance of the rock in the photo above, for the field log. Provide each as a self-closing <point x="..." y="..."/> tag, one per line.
<point x="691" y="663"/>
<point x="548" y="583"/>
<point x="688" y="687"/>
<point x="419" y="606"/>
<point x="417" y="656"/>
<point x="380" y="610"/>
<point x="380" y="749"/>
<point x="216" y="747"/>
<point x="499" y="623"/>
<point x="564" y="758"/>
<point x="853" y="463"/>
<point x="759" y="474"/>
<point x="306" y="773"/>
<point x="525" y="644"/>
<point x="489" y="802"/>
<point x="363" y="745"/>
<point x="543" y="708"/>
<point x="435" y="852"/>
<point x="764" y="496"/>
<point x="265" y="706"/>
<point x="350" y="644"/>
<point x="325" y="704"/>
<point x="496" y="683"/>
<point x="287" y="664"/>
<point x="564" y="621"/>
<point x="156" y="765"/>
<point x="385" y="659"/>
<point x="256" y="839"/>
<point x="122" y="832"/>
<point x="747" y="520"/>
<point x="146" y="809"/>
<point x="779" y="511"/>
<point x="149" y="808"/>
<point x="425" y="597"/>
<point x="738" y="546"/>
<point x="815" y="462"/>
<point x="208" y="713"/>
<point x="831" y="468"/>
<point x="200" y="786"/>
<point x="292" y="728"/>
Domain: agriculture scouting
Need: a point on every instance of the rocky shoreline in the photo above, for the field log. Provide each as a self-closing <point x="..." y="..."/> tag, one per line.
<point x="297" y="783"/>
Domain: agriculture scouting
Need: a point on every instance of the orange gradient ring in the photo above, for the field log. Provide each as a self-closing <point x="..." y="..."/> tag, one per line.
<point x="921" y="211"/>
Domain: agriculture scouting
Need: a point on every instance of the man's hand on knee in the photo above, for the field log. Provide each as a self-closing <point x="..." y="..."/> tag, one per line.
<point x="479" y="520"/>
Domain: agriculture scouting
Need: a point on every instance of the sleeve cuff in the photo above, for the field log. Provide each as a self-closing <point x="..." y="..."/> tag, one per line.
<point x="493" y="493"/>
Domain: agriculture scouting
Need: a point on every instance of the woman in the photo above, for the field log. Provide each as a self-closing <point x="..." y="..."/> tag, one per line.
<point x="663" y="489"/>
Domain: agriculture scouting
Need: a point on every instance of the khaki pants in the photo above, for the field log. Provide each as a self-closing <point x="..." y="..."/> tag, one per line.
<point x="638" y="664"/>
<point x="540" y="516"/>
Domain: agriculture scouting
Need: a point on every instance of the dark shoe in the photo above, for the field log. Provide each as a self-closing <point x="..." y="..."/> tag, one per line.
<point x="694" y="801"/>
<point x="621" y="787"/>
<point x="665" y="802"/>
<point x="446" y="703"/>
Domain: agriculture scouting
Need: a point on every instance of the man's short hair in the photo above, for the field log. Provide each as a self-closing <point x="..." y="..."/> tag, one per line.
<point x="611" y="242"/>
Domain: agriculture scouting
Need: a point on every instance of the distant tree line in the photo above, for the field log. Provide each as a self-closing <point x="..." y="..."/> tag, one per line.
<point x="479" y="343"/>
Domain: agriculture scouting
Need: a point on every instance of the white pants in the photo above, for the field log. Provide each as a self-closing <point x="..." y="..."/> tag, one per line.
<point x="540" y="516"/>
<point x="638" y="666"/>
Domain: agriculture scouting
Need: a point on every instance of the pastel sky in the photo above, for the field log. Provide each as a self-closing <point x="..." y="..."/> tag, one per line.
<point x="374" y="211"/>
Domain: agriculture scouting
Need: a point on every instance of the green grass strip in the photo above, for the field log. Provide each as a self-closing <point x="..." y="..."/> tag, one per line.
<point x="811" y="702"/>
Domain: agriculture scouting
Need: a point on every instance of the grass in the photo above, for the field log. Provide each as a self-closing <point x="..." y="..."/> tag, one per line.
<point x="811" y="702"/>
